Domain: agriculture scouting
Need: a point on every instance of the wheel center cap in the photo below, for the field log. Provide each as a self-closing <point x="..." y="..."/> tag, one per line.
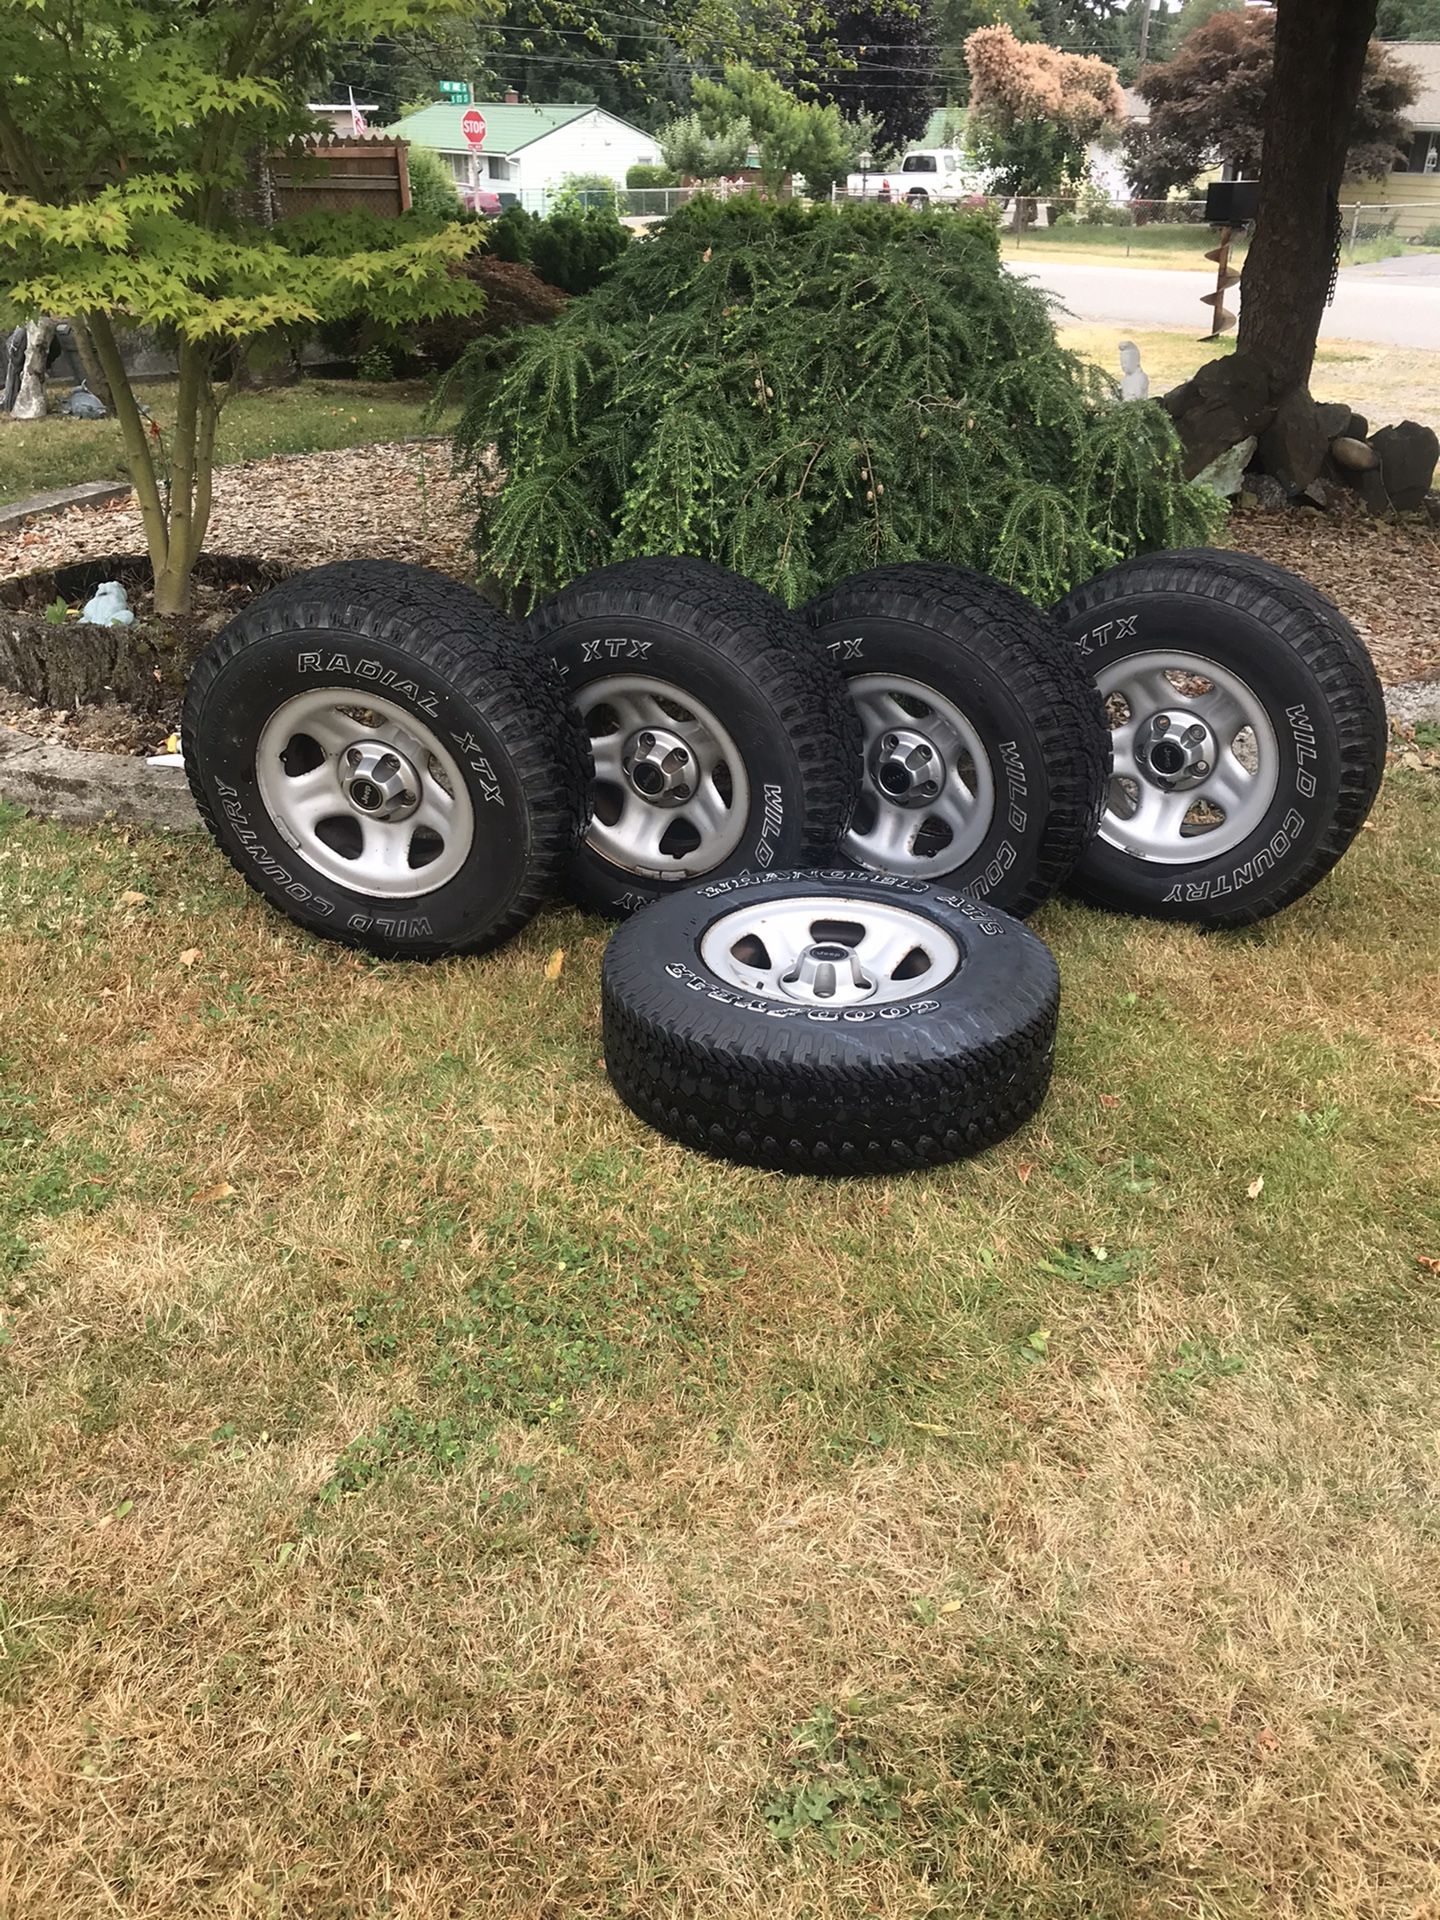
<point x="379" y="781"/>
<point x="828" y="974"/>
<point x="906" y="768"/>
<point x="1174" y="750"/>
<point x="660" y="766"/>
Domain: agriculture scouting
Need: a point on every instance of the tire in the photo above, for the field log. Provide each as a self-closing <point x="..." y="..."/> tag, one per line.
<point x="821" y="1076"/>
<point x="1281" y="797"/>
<point x="709" y="669"/>
<point x="967" y="672"/>
<point x="917" y="199"/>
<point x="484" y="741"/>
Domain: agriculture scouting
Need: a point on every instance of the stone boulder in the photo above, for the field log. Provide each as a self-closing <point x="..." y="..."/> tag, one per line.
<point x="1356" y="456"/>
<point x="1224" y="403"/>
<point x="1408" y="454"/>
<point x="1334" y="417"/>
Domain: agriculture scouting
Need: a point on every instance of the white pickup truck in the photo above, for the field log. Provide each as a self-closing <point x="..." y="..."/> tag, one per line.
<point x="925" y="176"/>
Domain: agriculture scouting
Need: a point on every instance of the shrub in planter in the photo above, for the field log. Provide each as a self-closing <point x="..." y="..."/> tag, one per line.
<point x="801" y="392"/>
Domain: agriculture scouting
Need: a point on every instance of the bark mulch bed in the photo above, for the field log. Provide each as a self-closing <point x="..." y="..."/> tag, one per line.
<point x="404" y="502"/>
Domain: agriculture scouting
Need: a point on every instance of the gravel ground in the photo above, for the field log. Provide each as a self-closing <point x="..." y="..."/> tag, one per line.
<point x="404" y="502"/>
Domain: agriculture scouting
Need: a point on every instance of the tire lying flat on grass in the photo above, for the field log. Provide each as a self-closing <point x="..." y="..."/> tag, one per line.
<point x="985" y="746"/>
<point x="374" y="753"/>
<point x="1248" y="735"/>
<point x="722" y="742"/>
<point x="831" y="1022"/>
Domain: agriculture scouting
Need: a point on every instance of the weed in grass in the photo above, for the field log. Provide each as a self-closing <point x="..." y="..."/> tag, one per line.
<point x="831" y="1792"/>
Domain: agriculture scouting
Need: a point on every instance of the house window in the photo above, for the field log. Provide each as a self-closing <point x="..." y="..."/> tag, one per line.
<point x="459" y="164"/>
<point x="1423" y="156"/>
<point x="497" y="169"/>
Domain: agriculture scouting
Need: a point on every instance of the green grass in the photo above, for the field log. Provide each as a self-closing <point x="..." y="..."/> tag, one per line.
<point x="310" y="417"/>
<point x="430" y="1493"/>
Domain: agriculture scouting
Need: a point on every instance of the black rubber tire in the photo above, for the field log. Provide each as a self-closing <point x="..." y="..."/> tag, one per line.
<point x="800" y="1090"/>
<point x="439" y="652"/>
<point x="1006" y="666"/>
<point x="736" y="649"/>
<point x="1306" y="663"/>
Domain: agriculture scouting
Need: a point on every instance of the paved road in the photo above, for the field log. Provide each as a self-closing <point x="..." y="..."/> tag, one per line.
<point x="1387" y="312"/>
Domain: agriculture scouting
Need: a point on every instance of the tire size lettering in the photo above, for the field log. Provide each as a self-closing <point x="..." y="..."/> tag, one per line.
<point x="1303" y="728"/>
<point x="374" y="671"/>
<point x="1255" y="868"/>
<point x="972" y="911"/>
<point x="851" y="876"/>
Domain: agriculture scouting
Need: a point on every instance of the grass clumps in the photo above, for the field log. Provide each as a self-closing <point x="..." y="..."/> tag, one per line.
<point x="798" y="392"/>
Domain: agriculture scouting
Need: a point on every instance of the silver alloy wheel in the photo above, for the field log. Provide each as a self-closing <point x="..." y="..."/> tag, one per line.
<point x="830" y="951"/>
<point x="671" y="792"/>
<point x="365" y="792"/>
<point x="929" y="791"/>
<point x="1196" y="758"/>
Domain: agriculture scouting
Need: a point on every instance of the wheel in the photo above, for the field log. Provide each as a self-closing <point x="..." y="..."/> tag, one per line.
<point x="829" y="1022"/>
<point x="372" y="751"/>
<point x="721" y="741"/>
<point x="1248" y="730"/>
<point x="984" y="742"/>
<point x="917" y="199"/>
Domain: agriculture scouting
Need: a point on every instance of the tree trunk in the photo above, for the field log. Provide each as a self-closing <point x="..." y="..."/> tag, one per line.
<point x="30" y="400"/>
<point x="1319" y="63"/>
<point x="90" y="360"/>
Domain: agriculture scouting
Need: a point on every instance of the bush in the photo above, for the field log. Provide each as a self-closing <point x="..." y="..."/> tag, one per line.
<point x="1429" y="238"/>
<point x="797" y="392"/>
<point x="508" y="237"/>
<point x="651" y="174"/>
<point x="572" y="250"/>
<point x="432" y="191"/>
<point x="582" y="192"/>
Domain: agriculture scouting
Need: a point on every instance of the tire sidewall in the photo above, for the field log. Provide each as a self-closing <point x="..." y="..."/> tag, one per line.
<point x="861" y="644"/>
<point x="1307" y="786"/>
<point x="222" y="734"/>
<point x="607" y="646"/>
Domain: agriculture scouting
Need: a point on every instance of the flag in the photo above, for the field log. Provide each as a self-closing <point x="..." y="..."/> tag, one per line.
<point x="357" y="118"/>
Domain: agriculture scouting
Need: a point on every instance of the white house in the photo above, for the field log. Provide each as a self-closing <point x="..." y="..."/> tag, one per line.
<point x="522" y="151"/>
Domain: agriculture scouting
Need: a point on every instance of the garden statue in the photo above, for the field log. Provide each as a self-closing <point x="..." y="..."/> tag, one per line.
<point x="1134" y="381"/>
<point x="108" y="606"/>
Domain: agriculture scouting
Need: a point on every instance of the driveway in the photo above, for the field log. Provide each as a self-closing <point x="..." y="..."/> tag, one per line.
<point x="1386" y="310"/>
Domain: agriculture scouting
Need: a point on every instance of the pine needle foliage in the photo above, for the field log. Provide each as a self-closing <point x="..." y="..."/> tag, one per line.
<point x="798" y="393"/>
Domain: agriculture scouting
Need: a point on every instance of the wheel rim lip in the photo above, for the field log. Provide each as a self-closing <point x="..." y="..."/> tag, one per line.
<point x="418" y="745"/>
<point x="1214" y="842"/>
<point x="962" y="847"/>
<point x="796" y="916"/>
<point x="715" y="847"/>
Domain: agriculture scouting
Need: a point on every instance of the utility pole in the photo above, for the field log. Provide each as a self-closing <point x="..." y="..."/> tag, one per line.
<point x="1146" y="8"/>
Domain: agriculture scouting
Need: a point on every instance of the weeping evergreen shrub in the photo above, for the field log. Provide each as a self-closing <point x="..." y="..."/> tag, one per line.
<point x="801" y="392"/>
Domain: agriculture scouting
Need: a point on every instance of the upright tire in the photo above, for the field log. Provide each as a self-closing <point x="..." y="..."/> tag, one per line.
<point x="985" y="746"/>
<point x="831" y="1022"/>
<point x="722" y="742"/>
<point x="375" y="755"/>
<point x="1248" y="732"/>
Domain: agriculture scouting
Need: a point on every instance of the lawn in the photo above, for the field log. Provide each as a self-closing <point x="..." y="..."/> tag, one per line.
<point x="308" y="418"/>
<point x="1160" y="245"/>
<point x="429" y="1494"/>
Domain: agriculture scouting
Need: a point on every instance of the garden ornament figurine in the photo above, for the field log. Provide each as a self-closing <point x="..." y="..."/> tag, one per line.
<point x="1134" y="381"/>
<point x="108" y="606"/>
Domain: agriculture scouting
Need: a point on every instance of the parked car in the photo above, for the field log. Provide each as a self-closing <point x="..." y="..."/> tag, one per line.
<point x="481" y="200"/>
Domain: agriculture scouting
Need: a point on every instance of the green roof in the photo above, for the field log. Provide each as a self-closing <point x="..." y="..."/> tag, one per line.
<point x="507" y="128"/>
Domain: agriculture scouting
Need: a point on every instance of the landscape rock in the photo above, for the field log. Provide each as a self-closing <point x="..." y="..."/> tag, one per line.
<point x="1321" y="493"/>
<point x="1357" y="456"/>
<point x="1294" y="445"/>
<point x="1408" y="454"/>
<point x="1356" y="428"/>
<point x="1265" y="491"/>
<point x="1225" y="403"/>
<point x="1372" y="492"/>
<point x="1225" y="475"/>
<point x="1333" y="416"/>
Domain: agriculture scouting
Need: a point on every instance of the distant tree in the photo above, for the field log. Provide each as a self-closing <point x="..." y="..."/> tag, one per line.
<point x="881" y="60"/>
<point x="1194" y="13"/>
<point x="1034" y="110"/>
<point x="1208" y="106"/>
<point x="691" y="148"/>
<point x="748" y="108"/>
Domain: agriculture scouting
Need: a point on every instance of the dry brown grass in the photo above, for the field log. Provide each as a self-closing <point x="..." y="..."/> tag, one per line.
<point x="710" y="1548"/>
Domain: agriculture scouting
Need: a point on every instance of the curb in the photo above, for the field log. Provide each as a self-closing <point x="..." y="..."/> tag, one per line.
<point x="80" y="788"/>
<point x="1415" y="703"/>
<point x="46" y="506"/>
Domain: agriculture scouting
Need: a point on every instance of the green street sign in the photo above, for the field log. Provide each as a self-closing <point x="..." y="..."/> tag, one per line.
<point x="457" y="91"/>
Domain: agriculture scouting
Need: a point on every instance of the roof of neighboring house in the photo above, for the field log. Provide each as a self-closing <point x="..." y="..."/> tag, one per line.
<point x="508" y="127"/>
<point x="1424" y="57"/>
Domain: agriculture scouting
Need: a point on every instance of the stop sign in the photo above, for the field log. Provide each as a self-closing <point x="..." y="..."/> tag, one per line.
<point x="472" y="125"/>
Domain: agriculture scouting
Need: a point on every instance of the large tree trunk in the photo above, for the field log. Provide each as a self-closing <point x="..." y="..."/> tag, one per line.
<point x="1319" y="62"/>
<point x="30" y="400"/>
